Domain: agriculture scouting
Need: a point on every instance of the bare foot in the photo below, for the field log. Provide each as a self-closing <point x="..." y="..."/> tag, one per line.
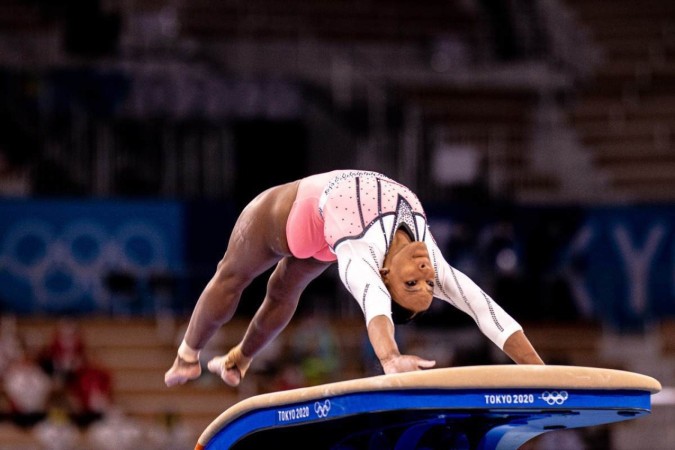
<point x="225" y="369"/>
<point x="231" y="367"/>
<point x="182" y="371"/>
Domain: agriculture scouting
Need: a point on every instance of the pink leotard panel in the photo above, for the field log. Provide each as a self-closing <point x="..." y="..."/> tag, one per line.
<point x="305" y="226"/>
<point x="341" y="204"/>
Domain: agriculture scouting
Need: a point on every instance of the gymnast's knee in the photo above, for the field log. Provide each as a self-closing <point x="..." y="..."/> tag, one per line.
<point x="282" y="294"/>
<point x="230" y="280"/>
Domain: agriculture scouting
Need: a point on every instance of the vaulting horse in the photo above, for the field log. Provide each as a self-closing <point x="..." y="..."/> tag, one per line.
<point x="494" y="407"/>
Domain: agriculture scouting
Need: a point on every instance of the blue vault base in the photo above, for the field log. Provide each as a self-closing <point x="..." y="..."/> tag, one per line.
<point x="400" y="415"/>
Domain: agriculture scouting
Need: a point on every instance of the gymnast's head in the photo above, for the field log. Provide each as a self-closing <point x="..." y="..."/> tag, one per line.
<point x="409" y="277"/>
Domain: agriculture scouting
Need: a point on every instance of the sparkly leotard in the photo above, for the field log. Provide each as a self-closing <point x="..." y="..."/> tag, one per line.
<point x="351" y="217"/>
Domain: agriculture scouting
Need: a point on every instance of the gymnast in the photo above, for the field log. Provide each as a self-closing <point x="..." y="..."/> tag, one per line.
<point x="376" y="230"/>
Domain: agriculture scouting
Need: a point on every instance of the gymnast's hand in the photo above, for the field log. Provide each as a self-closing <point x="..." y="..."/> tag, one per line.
<point x="182" y="371"/>
<point x="406" y="363"/>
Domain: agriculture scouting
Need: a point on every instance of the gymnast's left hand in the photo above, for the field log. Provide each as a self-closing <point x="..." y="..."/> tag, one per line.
<point x="406" y="363"/>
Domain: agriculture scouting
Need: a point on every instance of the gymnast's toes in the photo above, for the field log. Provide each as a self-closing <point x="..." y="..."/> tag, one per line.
<point x="182" y="372"/>
<point x="225" y="369"/>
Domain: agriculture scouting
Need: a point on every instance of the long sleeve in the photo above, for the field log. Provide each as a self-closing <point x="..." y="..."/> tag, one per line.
<point x="359" y="265"/>
<point x="460" y="291"/>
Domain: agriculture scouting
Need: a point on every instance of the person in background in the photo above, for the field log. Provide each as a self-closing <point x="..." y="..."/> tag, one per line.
<point x="90" y="392"/>
<point x="376" y="230"/>
<point x="65" y="353"/>
<point x="28" y="389"/>
<point x="11" y="345"/>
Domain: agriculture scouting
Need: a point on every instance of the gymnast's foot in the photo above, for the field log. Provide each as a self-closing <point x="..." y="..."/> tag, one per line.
<point x="231" y="367"/>
<point x="182" y="371"/>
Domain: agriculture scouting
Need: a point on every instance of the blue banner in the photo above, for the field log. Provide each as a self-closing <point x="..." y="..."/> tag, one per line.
<point x="621" y="264"/>
<point x="56" y="256"/>
<point x="615" y="264"/>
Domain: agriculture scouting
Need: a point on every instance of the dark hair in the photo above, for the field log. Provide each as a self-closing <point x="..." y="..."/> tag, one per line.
<point x="401" y="315"/>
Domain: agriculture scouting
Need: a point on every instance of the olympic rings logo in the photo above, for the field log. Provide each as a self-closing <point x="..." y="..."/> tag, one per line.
<point x="322" y="409"/>
<point x="61" y="265"/>
<point x="554" y="397"/>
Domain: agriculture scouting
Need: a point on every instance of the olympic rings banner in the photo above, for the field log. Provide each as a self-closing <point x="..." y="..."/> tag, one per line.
<point x="55" y="255"/>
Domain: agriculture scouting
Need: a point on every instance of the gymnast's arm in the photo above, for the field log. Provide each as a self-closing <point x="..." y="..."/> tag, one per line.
<point x="359" y="272"/>
<point x="460" y="291"/>
<point x="381" y="336"/>
<point x="520" y="350"/>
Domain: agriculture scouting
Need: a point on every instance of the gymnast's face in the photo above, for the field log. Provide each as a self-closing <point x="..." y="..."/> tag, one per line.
<point x="410" y="277"/>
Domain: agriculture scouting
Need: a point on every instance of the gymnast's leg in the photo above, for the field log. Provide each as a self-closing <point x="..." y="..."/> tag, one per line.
<point x="257" y="242"/>
<point x="286" y="284"/>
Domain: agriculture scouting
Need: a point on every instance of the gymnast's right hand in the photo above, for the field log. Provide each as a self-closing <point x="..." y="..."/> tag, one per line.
<point x="182" y="371"/>
<point x="406" y="363"/>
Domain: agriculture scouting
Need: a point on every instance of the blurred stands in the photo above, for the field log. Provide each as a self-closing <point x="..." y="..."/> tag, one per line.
<point x="342" y="21"/>
<point x="625" y="112"/>
<point x="470" y="73"/>
<point x="496" y="124"/>
<point x="137" y="352"/>
<point x="429" y="43"/>
<point x="18" y="16"/>
<point x="29" y="34"/>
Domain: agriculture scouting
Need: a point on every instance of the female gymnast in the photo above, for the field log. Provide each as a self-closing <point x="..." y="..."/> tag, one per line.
<point x="376" y="230"/>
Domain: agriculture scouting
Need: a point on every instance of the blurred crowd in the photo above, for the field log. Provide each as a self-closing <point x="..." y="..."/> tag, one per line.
<point x="63" y="396"/>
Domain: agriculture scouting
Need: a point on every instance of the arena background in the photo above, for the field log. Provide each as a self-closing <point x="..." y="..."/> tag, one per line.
<point x="538" y="133"/>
